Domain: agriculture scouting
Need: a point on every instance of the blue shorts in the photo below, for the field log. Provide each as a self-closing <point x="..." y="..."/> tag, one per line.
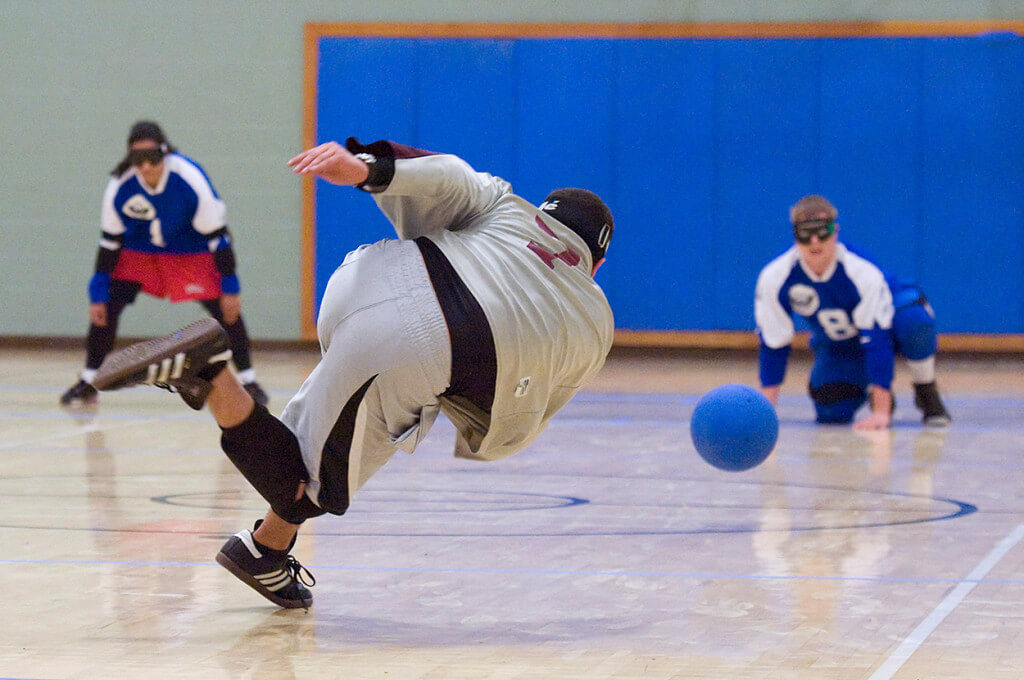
<point x="839" y="378"/>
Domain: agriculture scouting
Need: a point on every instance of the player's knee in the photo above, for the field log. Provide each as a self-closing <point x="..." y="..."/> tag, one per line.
<point x="914" y="332"/>
<point x="267" y="454"/>
<point x="836" y="402"/>
<point x="835" y="414"/>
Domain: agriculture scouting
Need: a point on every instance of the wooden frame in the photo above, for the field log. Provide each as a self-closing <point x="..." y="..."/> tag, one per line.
<point x="679" y="339"/>
<point x="962" y="343"/>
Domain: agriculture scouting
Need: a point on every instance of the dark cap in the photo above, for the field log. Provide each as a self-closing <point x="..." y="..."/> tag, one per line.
<point x="585" y="213"/>
<point x="146" y="129"/>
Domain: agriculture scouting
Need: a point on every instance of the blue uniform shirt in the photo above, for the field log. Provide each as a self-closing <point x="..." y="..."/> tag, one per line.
<point x="175" y="217"/>
<point x="849" y="310"/>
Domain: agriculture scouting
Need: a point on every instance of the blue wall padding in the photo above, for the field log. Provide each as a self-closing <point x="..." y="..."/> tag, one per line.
<point x="700" y="146"/>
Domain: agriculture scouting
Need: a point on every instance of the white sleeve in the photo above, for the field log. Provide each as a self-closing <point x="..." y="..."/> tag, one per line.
<point x="429" y="194"/>
<point x="211" y="213"/>
<point x="774" y="324"/>
<point x="110" y="221"/>
<point x="875" y="308"/>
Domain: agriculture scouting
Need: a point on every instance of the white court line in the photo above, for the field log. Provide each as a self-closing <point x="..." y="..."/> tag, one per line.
<point x="932" y="621"/>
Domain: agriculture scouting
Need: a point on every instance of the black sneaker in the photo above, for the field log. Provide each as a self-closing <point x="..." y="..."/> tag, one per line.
<point x="177" y="362"/>
<point x="926" y="398"/>
<point x="256" y="392"/>
<point x="274" y="574"/>
<point x="79" y="394"/>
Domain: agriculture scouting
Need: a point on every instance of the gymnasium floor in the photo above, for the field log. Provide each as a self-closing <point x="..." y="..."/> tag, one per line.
<point x="608" y="549"/>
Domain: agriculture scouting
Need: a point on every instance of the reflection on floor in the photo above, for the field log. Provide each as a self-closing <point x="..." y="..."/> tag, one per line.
<point x="606" y="550"/>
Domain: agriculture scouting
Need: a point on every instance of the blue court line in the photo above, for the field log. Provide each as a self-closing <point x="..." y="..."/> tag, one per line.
<point x="567" y="420"/>
<point x="550" y="572"/>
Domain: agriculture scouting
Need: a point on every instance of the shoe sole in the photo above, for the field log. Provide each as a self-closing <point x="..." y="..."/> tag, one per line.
<point x="248" y="579"/>
<point x="123" y="363"/>
<point x="79" y="403"/>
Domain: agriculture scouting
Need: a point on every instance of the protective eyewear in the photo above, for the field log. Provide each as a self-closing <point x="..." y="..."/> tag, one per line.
<point x="139" y="156"/>
<point x="805" y="230"/>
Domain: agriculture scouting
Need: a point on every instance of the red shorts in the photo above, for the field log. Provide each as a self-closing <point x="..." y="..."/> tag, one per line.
<point x="181" y="278"/>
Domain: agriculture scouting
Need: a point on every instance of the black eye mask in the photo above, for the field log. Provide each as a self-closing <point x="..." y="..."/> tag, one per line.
<point x="805" y="229"/>
<point x="139" y="156"/>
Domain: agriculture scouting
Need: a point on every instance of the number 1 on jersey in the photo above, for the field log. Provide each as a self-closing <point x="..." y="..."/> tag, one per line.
<point x="156" y="236"/>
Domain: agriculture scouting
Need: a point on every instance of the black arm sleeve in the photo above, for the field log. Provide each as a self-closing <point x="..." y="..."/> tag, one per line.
<point x="223" y="253"/>
<point x="106" y="259"/>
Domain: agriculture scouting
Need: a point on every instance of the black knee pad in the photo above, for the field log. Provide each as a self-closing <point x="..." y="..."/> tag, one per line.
<point x="267" y="454"/>
<point x="835" y="392"/>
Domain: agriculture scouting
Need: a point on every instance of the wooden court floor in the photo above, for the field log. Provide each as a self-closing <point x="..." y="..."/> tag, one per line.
<point x="608" y="549"/>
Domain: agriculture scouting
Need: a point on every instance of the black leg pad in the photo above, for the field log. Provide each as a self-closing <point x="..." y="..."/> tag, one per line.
<point x="833" y="393"/>
<point x="267" y="454"/>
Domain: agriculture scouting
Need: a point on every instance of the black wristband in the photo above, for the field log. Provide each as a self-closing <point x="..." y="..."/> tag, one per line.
<point x="380" y="161"/>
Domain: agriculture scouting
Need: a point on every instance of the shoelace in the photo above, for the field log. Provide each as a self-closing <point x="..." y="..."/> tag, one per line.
<point x="299" y="573"/>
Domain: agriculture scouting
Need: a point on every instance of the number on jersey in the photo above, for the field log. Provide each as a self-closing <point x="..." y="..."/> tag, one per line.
<point x="836" y="324"/>
<point x="568" y="256"/>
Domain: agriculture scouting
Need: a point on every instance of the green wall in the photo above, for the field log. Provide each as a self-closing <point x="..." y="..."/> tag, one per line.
<point x="225" y="81"/>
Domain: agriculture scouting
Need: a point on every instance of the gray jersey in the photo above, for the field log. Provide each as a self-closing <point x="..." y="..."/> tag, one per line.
<point x="531" y="274"/>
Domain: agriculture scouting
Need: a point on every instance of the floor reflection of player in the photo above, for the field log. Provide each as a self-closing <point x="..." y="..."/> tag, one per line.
<point x="795" y="539"/>
<point x="838" y="566"/>
<point x="266" y="650"/>
<point x="128" y="555"/>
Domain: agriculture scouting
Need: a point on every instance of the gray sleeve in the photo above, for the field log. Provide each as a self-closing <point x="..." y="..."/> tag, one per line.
<point x="430" y="194"/>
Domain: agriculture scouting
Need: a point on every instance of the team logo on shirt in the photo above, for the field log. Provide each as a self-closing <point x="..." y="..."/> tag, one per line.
<point x="804" y="299"/>
<point x="138" y="208"/>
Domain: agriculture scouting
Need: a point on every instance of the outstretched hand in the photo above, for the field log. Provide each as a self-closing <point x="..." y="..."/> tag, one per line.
<point x="332" y="162"/>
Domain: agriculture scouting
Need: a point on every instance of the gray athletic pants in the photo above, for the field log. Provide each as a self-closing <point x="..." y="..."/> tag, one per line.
<point x="386" y="356"/>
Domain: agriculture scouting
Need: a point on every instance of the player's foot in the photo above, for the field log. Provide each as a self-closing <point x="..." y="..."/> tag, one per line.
<point x="274" y="574"/>
<point x="184" y="362"/>
<point x="926" y="398"/>
<point x="79" y="394"/>
<point x="256" y="392"/>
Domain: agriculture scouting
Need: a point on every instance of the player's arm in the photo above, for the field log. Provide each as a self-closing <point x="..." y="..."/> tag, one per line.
<point x="420" y="192"/>
<point x="219" y="244"/>
<point x="107" y="255"/>
<point x="775" y="330"/>
<point x="873" y="318"/>
<point x="210" y="220"/>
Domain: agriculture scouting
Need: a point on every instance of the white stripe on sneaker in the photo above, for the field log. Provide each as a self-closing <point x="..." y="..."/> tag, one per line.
<point x="165" y="370"/>
<point x="275" y="580"/>
<point x="223" y="356"/>
<point x="179" y="365"/>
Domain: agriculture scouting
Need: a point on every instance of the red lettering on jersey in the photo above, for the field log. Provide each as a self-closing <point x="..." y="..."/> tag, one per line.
<point x="544" y="227"/>
<point x="568" y="256"/>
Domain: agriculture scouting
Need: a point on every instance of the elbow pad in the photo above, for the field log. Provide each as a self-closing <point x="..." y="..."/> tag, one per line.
<point x="229" y="285"/>
<point x="99" y="287"/>
<point x="219" y="244"/>
<point x="773" y="364"/>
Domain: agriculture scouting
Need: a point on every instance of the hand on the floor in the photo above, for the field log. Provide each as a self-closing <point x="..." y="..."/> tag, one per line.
<point x="873" y="421"/>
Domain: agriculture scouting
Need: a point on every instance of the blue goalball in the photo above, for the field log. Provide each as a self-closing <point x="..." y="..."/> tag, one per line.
<point x="734" y="427"/>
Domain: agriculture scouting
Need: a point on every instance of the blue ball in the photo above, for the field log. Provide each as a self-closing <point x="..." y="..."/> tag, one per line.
<point x="734" y="427"/>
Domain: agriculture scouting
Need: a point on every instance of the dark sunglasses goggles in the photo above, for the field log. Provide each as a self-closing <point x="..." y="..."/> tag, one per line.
<point x="139" y="156"/>
<point x="806" y="229"/>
